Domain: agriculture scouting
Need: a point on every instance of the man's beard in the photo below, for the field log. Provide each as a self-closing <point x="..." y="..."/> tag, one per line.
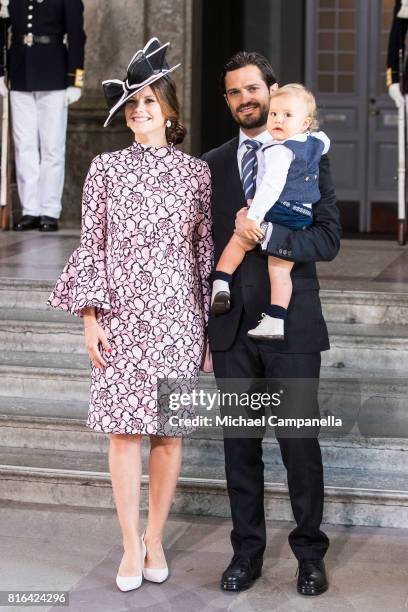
<point x="253" y="121"/>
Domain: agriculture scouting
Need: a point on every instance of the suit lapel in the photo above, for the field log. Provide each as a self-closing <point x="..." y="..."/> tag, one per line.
<point x="236" y="198"/>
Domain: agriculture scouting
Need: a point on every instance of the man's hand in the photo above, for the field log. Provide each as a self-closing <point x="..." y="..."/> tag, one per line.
<point x="73" y="94"/>
<point x="3" y="87"/>
<point x="395" y="93"/>
<point x="247" y="228"/>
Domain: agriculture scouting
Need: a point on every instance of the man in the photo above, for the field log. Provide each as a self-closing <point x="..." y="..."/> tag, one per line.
<point x="247" y="82"/>
<point x="396" y="42"/>
<point x="396" y="81"/>
<point x="45" y="74"/>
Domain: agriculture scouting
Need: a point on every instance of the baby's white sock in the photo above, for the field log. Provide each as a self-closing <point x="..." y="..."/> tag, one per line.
<point x="219" y="285"/>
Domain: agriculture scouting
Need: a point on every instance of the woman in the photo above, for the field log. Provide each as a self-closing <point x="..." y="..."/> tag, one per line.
<point x="140" y="279"/>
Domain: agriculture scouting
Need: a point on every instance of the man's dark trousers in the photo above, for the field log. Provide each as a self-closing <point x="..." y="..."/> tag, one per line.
<point x="243" y="456"/>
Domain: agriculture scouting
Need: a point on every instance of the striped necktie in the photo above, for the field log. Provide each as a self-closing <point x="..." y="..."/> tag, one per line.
<point x="249" y="168"/>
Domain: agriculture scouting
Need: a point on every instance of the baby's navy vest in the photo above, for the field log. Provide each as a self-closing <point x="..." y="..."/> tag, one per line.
<point x="302" y="183"/>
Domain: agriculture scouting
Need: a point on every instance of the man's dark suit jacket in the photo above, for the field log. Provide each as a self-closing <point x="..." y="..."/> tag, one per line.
<point x="44" y="67"/>
<point x="305" y="328"/>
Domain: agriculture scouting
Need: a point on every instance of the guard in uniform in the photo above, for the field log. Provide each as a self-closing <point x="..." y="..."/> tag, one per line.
<point x="396" y="42"/>
<point x="45" y="74"/>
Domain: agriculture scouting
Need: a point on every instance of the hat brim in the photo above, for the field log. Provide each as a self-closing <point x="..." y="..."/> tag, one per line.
<point x="126" y="95"/>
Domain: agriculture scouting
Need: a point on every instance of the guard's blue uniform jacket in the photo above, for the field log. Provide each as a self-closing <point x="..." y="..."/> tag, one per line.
<point x="55" y="60"/>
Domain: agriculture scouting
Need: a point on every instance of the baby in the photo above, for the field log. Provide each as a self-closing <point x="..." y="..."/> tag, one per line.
<point x="286" y="195"/>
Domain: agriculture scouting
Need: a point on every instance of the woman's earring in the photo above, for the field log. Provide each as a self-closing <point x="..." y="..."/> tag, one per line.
<point x="168" y="123"/>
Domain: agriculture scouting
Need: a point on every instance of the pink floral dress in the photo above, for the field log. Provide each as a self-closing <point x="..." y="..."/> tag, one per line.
<point x="144" y="262"/>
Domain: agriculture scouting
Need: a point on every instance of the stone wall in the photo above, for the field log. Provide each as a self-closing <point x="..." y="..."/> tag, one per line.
<point x="116" y="30"/>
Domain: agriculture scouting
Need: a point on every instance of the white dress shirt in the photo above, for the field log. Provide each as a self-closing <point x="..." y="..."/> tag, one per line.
<point x="276" y="163"/>
<point x="264" y="138"/>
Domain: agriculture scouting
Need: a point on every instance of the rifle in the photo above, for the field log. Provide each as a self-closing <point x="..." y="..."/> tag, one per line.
<point x="401" y="155"/>
<point x="6" y="150"/>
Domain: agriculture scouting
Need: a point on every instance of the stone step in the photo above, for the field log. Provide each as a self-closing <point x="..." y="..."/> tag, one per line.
<point x="367" y="347"/>
<point x="43" y="315"/>
<point x="69" y="434"/>
<point x="33" y="330"/>
<point x="353" y="497"/>
<point x="366" y="307"/>
<point x="47" y="384"/>
<point x="39" y="375"/>
<point x="43" y="408"/>
<point x="17" y="291"/>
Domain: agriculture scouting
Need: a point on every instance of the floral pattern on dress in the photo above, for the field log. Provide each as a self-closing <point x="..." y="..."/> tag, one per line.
<point x="144" y="262"/>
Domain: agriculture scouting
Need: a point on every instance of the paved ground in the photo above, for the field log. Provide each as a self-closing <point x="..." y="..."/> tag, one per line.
<point x="61" y="548"/>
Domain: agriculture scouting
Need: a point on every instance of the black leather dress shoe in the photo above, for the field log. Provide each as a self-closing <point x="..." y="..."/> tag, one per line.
<point x="241" y="574"/>
<point x="48" y="224"/>
<point x="312" y="579"/>
<point x="27" y="222"/>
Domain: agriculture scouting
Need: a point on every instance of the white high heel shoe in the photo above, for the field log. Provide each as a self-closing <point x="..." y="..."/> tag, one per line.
<point x="130" y="583"/>
<point x="151" y="574"/>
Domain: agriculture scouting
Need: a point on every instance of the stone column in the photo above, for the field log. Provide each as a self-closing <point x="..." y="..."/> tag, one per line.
<point x="171" y="20"/>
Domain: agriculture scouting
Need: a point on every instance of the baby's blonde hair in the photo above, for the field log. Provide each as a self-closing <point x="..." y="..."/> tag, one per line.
<point x="299" y="90"/>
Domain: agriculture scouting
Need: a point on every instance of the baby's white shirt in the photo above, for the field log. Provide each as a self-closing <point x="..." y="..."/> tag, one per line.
<point x="277" y="161"/>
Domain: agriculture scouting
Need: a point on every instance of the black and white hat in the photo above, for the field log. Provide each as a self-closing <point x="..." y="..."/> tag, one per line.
<point x="146" y="66"/>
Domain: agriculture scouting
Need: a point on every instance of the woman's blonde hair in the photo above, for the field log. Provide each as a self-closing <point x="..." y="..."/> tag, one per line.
<point x="299" y="90"/>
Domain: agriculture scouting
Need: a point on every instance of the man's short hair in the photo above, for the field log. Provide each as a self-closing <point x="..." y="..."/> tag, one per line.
<point x="248" y="58"/>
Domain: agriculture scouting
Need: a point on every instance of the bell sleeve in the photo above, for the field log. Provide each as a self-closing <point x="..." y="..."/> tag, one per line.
<point x="203" y="241"/>
<point x="83" y="281"/>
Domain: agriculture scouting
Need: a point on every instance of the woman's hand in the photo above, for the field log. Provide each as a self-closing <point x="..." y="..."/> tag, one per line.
<point x="247" y="228"/>
<point x="94" y="334"/>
